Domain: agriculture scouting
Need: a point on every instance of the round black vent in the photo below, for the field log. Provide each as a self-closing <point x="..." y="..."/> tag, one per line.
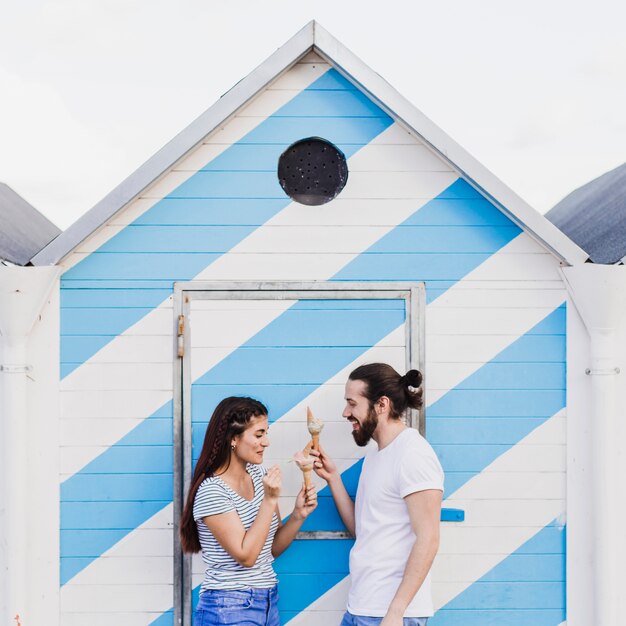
<point x="312" y="171"/>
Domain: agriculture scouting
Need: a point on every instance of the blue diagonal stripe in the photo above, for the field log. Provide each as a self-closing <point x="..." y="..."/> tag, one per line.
<point x="420" y="250"/>
<point x="502" y="402"/>
<point x="343" y="115"/>
<point x="527" y="587"/>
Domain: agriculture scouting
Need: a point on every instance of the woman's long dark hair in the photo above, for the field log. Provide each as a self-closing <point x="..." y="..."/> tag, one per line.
<point x="382" y="380"/>
<point x="230" y="418"/>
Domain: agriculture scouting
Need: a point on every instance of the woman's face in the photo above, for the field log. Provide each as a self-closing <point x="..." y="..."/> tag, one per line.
<point x="251" y="444"/>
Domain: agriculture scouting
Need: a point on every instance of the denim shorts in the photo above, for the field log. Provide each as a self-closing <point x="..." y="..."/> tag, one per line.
<point x="361" y="620"/>
<point x="245" y="607"/>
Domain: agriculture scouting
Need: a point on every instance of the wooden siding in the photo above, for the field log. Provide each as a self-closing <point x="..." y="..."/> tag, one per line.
<point x="403" y="215"/>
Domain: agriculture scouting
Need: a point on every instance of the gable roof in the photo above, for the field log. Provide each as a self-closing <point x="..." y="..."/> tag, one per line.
<point x="594" y="216"/>
<point x="314" y="37"/>
<point x="23" y="230"/>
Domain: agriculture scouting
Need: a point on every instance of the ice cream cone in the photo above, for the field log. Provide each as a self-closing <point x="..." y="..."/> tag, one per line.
<point x="315" y="425"/>
<point x="305" y="462"/>
<point x="306" y="474"/>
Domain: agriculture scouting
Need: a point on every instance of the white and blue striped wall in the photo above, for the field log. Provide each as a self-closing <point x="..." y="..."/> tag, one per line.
<point x="495" y="350"/>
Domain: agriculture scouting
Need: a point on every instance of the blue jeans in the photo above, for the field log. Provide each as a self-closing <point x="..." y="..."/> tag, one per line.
<point x="245" y="607"/>
<point x="361" y="620"/>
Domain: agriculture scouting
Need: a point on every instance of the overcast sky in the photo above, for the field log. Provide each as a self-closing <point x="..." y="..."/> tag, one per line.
<point x="90" y="89"/>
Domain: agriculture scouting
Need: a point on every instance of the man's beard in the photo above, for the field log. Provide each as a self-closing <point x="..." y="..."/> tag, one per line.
<point x="363" y="435"/>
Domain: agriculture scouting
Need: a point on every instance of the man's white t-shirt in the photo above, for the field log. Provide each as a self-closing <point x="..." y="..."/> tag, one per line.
<point x="384" y="537"/>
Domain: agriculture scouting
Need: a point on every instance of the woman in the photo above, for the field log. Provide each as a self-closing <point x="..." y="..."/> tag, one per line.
<point x="232" y="515"/>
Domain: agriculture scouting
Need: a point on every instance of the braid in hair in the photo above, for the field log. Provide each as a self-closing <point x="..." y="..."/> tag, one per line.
<point x="216" y="447"/>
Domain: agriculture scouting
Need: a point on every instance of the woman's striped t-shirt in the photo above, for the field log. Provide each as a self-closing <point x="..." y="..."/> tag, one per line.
<point x="213" y="497"/>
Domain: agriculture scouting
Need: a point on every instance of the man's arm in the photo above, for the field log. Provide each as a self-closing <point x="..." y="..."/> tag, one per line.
<point x="424" y="512"/>
<point x="325" y="468"/>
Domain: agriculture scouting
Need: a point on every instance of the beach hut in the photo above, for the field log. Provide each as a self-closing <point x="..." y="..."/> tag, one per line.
<point x="309" y="221"/>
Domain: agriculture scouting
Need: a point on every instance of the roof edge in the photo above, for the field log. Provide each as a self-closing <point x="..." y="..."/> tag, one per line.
<point x="155" y="167"/>
<point x="489" y="185"/>
<point x="385" y="95"/>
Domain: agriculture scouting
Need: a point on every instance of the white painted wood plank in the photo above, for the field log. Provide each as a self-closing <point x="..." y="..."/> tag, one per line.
<point x="520" y="512"/>
<point x="532" y="286"/>
<point x="302" y="73"/>
<point x="466" y="349"/>
<point x="477" y="321"/>
<point x="218" y="329"/>
<point x="159" y="322"/>
<point x="311" y="57"/>
<point x="457" y="566"/>
<point x="398" y="135"/>
<point x="148" y="542"/>
<point x="377" y="184"/>
<point x="167" y="184"/>
<point x="267" y="102"/>
<point x="521" y="488"/>
<point x="71" y="457"/>
<point x="478" y="295"/>
<point x="96" y="240"/>
<point x="440" y="374"/>
<point x="131" y="403"/>
<point x="106" y="619"/>
<point x="316" y="617"/>
<point x="349" y="212"/>
<point x="147" y="348"/>
<point x="114" y="376"/>
<point x="230" y="325"/>
<point x="125" y="598"/>
<point x="201" y="156"/>
<point x="389" y="157"/>
<point x="91" y="432"/>
<point x="493" y="541"/>
<point x="133" y="571"/>
<point x="314" y="239"/>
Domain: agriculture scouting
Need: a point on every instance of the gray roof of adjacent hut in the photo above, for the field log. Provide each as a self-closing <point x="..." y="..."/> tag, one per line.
<point x="594" y="216"/>
<point x="24" y="231"/>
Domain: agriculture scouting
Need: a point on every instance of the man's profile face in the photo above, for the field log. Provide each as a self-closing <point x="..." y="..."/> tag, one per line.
<point x="358" y="412"/>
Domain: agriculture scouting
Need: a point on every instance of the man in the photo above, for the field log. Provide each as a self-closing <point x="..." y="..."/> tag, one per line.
<point x="398" y="503"/>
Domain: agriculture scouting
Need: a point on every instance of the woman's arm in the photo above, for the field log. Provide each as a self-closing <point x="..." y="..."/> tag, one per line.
<point x="325" y="468"/>
<point x="305" y="504"/>
<point x="246" y="545"/>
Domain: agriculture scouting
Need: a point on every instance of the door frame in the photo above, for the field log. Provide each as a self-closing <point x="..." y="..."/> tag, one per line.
<point x="413" y="293"/>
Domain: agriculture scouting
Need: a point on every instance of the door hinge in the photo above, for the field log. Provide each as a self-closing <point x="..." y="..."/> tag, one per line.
<point x="181" y="336"/>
